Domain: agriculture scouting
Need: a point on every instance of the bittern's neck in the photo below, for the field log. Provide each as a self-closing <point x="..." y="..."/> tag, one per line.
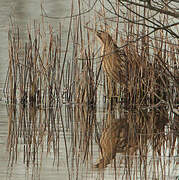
<point x="107" y="46"/>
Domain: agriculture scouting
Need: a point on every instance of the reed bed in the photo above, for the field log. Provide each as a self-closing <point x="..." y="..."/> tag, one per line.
<point x="151" y="67"/>
<point x="33" y="67"/>
<point x="40" y="73"/>
<point x="136" y="118"/>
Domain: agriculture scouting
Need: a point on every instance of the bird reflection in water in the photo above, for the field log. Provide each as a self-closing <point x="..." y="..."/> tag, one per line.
<point x="130" y="134"/>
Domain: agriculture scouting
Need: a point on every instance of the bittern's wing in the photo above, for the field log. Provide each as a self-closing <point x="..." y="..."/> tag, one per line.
<point x="114" y="64"/>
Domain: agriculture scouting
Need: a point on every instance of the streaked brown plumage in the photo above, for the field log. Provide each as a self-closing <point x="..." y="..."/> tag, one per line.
<point x="113" y="59"/>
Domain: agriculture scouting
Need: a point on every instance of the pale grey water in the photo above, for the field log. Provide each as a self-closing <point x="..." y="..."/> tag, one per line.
<point x="24" y="13"/>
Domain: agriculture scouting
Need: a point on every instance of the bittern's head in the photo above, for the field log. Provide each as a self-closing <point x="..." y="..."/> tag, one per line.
<point x="104" y="37"/>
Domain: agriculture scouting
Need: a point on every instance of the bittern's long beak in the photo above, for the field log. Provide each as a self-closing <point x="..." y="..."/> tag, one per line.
<point x="97" y="33"/>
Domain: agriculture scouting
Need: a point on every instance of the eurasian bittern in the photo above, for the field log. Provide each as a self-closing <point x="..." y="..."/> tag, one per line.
<point x="113" y="59"/>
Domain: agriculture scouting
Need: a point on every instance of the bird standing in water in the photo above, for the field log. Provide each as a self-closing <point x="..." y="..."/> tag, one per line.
<point x="113" y="59"/>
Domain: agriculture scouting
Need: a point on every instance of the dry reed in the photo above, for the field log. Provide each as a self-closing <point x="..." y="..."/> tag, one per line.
<point x="42" y="74"/>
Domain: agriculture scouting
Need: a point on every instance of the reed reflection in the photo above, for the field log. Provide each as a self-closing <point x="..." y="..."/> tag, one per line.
<point x="131" y="141"/>
<point x="36" y="130"/>
<point x="84" y="130"/>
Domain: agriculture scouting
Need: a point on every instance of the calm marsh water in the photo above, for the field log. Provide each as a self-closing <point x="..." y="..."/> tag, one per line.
<point x="54" y="146"/>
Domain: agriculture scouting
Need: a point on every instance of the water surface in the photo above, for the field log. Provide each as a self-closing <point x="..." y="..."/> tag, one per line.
<point x="56" y="143"/>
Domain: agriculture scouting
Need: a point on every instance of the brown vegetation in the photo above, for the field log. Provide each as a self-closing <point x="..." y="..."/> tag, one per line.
<point x="142" y="77"/>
